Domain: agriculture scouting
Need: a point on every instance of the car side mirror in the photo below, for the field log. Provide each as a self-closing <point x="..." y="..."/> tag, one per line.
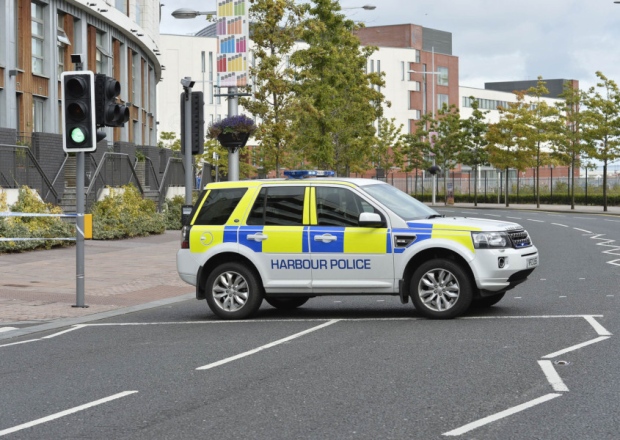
<point x="370" y="220"/>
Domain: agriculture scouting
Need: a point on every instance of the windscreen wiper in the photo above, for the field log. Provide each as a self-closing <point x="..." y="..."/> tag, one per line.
<point x="435" y="216"/>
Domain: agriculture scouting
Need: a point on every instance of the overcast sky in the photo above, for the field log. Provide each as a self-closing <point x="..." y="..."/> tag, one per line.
<point x="495" y="40"/>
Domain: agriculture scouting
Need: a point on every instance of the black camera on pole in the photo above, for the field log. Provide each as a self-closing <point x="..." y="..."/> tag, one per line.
<point x="434" y="170"/>
<point x="78" y="111"/>
<point x="110" y="112"/>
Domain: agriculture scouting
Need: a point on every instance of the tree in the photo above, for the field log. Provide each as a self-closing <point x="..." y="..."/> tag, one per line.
<point x="602" y="124"/>
<point x="474" y="151"/>
<point x="511" y="140"/>
<point x="388" y="150"/>
<point x="168" y="139"/>
<point x="448" y="141"/>
<point x="340" y="101"/>
<point x="275" y="29"/>
<point x="569" y="145"/>
<point x="543" y="117"/>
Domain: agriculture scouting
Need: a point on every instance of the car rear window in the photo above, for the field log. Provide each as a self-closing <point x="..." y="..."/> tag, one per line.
<point x="219" y="205"/>
<point x="283" y="206"/>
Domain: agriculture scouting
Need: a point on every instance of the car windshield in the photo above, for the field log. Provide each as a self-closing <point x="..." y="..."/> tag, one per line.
<point x="401" y="203"/>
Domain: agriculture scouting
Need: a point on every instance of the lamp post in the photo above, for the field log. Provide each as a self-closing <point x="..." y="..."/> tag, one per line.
<point x="424" y="73"/>
<point x="186" y="13"/>
<point x="366" y="7"/>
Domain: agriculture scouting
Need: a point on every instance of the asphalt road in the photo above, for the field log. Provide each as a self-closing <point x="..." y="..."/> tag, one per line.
<point x="542" y="364"/>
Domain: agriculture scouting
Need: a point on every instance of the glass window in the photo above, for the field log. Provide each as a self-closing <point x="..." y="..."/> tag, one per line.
<point x="339" y="207"/>
<point x="416" y="55"/>
<point x="282" y="206"/>
<point x="219" y="205"/>
<point x="102" y="53"/>
<point x="62" y="42"/>
<point x="441" y="100"/>
<point x="442" y="78"/>
<point x="138" y="18"/>
<point x="38" y="38"/>
<point x="401" y="203"/>
<point x="37" y="114"/>
<point x="121" y="5"/>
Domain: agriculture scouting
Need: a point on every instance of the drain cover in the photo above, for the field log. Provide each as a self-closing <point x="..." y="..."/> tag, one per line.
<point x="561" y="363"/>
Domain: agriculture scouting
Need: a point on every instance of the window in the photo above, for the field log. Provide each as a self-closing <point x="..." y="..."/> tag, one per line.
<point x="416" y="114"/>
<point x="339" y="207"/>
<point x="38" y="38"/>
<point x="442" y="78"/>
<point x="282" y="206"/>
<point x="121" y="5"/>
<point x="101" y="54"/>
<point x="219" y="205"/>
<point x="416" y="55"/>
<point x="138" y="18"/>
<point x="211" y="89"/>
<point x="62" y="41"/>
<point x="38" y="113"/>
<point x="441" y="100"/>
<point x="402" y="68"/>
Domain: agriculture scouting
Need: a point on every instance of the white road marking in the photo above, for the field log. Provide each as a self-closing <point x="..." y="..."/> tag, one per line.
<point x="264" y="347"/>
<point x="500" y="415"/>
<point x="492" y="215"/>
<point x="64" y="413"/>
<point x="76" y="327"/>
<point x="583" y="230"/>
<point x="17" y="343"/>
<point x="515" y="218"/>
<point x="562" y="296"/>
<point x="598" y="328"/>
<point x="7" y="329"/>
<point x="576" y="347"/>
<point x="560" y="224"/>
<point x="609" y="296"/>
<point x="552" y="376"/>
<point x="537" y="221"/>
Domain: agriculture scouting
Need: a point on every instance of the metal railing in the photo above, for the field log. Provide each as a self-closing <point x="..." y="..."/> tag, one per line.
<point x="174" y="175"/>
<point x="113" y="170"/>
<point x="18" y="166"/>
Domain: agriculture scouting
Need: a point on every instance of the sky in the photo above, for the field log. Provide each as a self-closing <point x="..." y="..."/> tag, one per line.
<point x="495" y="40"/>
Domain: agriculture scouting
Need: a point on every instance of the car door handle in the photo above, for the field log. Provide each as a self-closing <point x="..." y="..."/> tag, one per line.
<point x="257" y="237"/>
<point x="325" y="238"/>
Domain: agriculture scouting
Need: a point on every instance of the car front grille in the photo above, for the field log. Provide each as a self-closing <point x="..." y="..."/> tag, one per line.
<point x="520" y="239"/>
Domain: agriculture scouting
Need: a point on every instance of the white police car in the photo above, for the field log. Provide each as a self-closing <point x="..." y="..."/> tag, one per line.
<point x="287" y="241"/>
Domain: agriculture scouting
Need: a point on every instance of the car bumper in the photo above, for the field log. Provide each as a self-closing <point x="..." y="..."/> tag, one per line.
<point x="187" y="266"/>
<point x="500" y="270"/>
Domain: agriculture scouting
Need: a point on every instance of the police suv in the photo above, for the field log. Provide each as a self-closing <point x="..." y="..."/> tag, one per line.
<point x="289" y="240"/>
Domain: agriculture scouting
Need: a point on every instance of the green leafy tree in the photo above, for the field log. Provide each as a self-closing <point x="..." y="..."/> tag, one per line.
<point x="602" y="124"/>
<point x="275" y="29"/>
<point x="569" y="146"/>
<point x="474" y="152"/>
<point x="388" y="150"/>
<point x="448" y="141"/>
<point x="544" y="117"/>
<point x="340" y="101"/>
<point x="168" y="139"/>
<point x="511" y="140"/>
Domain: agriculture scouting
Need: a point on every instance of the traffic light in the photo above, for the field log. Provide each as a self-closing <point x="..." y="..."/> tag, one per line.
<point x="78" y="111"/>
<point x="198" y="123"/>
<point x="110" y="113"/>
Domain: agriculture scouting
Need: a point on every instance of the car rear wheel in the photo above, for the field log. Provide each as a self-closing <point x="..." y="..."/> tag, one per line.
<point x="233" y="291"/>
<point x="440" y="289"/>
<point x="287" y="303"/>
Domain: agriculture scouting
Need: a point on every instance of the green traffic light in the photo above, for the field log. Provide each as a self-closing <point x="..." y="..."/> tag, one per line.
<point x="77" y="135"/>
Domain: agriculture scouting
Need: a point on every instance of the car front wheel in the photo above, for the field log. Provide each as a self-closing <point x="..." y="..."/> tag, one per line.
<point x="440" y="289"/>
<point x="233" y="291"/>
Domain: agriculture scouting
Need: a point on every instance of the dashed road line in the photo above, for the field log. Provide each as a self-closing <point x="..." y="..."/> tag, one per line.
<point x="65" y="413"/>
<point x="515" y="218"/>
<point x="534" y="220"/>
<point x="583" y="230"/>
<point x="560" y="224"/>
<point x="7" y="329"/>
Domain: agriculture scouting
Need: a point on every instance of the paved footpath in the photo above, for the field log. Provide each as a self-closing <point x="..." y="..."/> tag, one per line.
<point x="38" y="288"/>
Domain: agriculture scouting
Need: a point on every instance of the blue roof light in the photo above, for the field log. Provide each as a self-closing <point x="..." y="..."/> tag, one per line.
<point x="302" y="174"/>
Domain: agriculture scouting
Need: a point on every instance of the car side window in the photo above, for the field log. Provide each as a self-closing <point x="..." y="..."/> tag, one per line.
<point x="219" y="205"/>
<point x="339" y="206"/>
<point x="283" y="206"/>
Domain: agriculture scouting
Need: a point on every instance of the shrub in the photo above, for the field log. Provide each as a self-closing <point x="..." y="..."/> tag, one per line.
<point x="124" y="213"/>
<point x="32" y="227"/>
<point x="172" y="210"/>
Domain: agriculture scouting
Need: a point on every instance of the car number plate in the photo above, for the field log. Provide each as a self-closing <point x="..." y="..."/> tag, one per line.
<point x="532" y="262"/>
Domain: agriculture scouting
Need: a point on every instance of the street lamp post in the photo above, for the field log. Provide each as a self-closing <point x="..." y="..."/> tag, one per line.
<point x="433" y="99"/>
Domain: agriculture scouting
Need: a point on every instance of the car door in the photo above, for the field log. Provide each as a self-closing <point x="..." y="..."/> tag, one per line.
<point x="275" y="229"/>
<point x="348" y="258"/>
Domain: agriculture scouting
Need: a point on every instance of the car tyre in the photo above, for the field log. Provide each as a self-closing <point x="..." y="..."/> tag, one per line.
<point x="441" y="289"/>
<point x="233" y="291"/>
<point x="287" y="303"/>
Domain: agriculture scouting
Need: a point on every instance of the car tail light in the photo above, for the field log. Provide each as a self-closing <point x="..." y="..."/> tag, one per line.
<point x="185" y="237"/>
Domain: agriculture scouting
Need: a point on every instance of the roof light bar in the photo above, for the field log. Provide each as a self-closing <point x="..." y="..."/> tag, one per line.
<point x="302" y="174"/>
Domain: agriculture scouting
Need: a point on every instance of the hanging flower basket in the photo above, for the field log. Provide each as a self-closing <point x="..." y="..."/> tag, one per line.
<point x="232" y="132"/>
<point x="233" y="140"/>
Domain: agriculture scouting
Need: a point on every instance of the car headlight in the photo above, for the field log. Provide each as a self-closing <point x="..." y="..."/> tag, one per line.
<point x="489" y="240"/>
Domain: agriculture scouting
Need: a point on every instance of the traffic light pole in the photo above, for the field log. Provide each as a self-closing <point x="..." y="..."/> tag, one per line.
<point x="79" y="236"/>
<point x="187" y="141"/>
